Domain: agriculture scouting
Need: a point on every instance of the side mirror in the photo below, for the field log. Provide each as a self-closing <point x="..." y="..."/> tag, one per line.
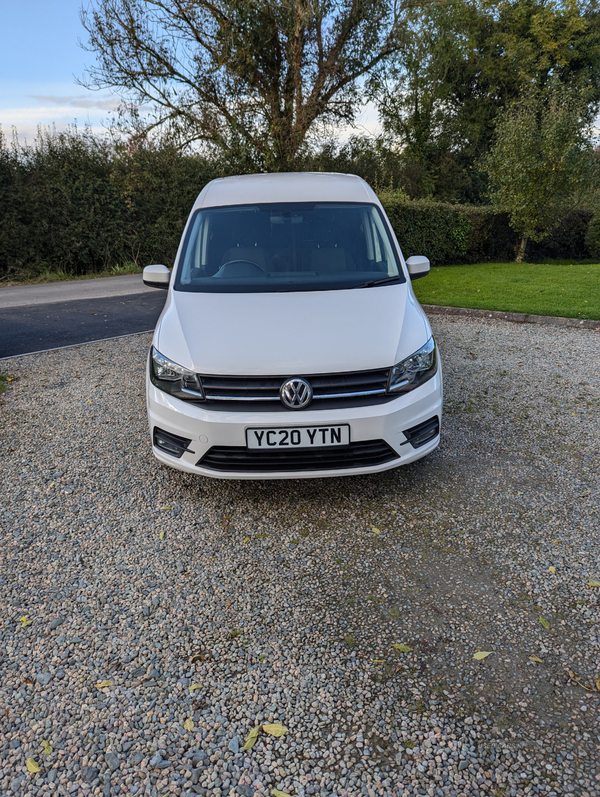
<point x="418" y="266"/>
<point x="156" y="276"/>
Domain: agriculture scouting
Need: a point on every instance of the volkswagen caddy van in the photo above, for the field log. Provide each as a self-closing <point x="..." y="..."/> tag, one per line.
<point x="291" y="344"/>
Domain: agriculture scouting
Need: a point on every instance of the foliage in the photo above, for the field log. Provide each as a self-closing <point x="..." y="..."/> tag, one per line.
<point x="373" y="159"/>
<point x="441" y="232"/>
<point x="463" y="63"/>
<point x="592" y="238"/>
<point x="59" y="205"/>
<point x="252" y="78"/>
<point x="570" y="290"/>
<point x="542" y="161"/>
<point x="75" y="203"/>
<point x="71" y="205"/>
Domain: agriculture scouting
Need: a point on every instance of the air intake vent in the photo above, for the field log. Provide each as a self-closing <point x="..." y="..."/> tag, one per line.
<point x="423" y="433"/>
<point x="330" y="391"/>
<point x="170" y="443"/>
<point x="243" y="460"/>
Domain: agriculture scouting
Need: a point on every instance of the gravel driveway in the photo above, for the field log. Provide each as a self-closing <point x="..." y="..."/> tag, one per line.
<point x="208" y="608"/>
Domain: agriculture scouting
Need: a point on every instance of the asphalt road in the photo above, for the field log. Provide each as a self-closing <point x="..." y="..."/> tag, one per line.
<point x="39" y="317"/>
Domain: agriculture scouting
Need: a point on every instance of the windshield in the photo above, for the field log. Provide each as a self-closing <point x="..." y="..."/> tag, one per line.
<point x="287" y="247"/>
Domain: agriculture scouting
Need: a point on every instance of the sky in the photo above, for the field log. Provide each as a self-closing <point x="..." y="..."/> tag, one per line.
<point x="39" y="61"/>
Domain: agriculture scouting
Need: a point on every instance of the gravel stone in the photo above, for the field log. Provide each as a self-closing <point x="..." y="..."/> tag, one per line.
<point x="113" y="761"/>
<point x="56" y="622"/>
<point x="89" y="774"/>
<point x="280" y="601"/>
<point x="16" y="783"/>
<point x="43" y="678"/>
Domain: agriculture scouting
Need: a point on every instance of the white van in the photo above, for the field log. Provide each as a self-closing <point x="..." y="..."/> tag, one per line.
<point x="291" y="344"/>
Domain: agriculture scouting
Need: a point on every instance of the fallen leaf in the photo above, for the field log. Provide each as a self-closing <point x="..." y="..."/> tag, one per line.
<point x="161" y="536"/>
<point x="536" y="658"/>
<point x="597" y="682"/>
<point x="552" y="570"/>
<point x="103" y="684"/>
<point x="576" y="679"/>
<point x="166" y="508"/>
<point x="544" y="622"/>
<point x="378" y="661"/>
<point x="189" y="724"/>
<point x="251" y="738"/>
<point x="196" y="657"/>
<point x="481" y="654"/>
<point x="594" y="583"/>
<point x="247" y="539"/>
<point x="25" y="621"/>
<point x="46" y="747"/>
<point x="275" y="729"/>
<point x="401" y="648"/>
<point x="279" y="793"/>
<point x="32" y="765"/>
<point x="374" y="529"/>
<point x="193" y="687"/>
<point x="555" y="541"/>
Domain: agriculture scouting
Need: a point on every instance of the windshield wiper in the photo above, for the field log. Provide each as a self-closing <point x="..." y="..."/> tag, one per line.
<point x="381" y="281"/>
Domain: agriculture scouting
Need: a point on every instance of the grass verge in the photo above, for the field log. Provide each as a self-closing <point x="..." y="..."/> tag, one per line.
<point x="63" y="276"/>
<point x="559" y="288"/>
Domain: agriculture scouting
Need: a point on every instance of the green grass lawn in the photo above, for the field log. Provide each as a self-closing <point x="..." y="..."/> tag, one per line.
<point x="557" y="288"/>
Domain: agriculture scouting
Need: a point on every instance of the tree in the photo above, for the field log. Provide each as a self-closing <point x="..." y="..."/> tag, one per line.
<point x="542" y="161"/>
<point x="465" y="61"/>
<point x="253" y="78"/>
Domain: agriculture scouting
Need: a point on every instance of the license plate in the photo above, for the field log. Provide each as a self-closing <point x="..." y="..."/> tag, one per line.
<point x="298" y="437"/>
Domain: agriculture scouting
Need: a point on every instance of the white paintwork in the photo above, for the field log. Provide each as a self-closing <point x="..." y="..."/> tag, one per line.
<point x="297" y="187"/>
<point x="157" y="274"/>
<point x="209" y="428"/>
<point x="291" y="334"/>
<point x="272" y="334"/>
<point x="418" y="266"/>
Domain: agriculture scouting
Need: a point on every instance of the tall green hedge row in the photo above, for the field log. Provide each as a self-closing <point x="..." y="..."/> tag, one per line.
<point x="75" y="203"/>
<point x="450" y="234"/>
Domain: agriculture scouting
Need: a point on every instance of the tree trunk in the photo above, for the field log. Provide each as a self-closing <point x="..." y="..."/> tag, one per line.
<point x="522" y="247"/>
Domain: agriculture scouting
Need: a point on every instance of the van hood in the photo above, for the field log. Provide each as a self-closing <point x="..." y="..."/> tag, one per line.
<point x="259" y="334"/>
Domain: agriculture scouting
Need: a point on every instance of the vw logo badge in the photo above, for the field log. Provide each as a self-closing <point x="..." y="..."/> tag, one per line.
<point x="296" y="393"/>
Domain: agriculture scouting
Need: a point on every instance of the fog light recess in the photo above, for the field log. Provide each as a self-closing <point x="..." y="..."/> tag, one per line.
<point x="171" y="443"/>
<point x="423" y="433"/>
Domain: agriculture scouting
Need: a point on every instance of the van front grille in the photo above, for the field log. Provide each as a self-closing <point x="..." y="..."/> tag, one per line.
<point x="244" y="460"/>
<point x="354" y="389"/>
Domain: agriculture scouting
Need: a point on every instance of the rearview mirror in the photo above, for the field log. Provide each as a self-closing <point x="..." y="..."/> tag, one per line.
<point x="156" y="276"/>
<point x="418" y="266"/>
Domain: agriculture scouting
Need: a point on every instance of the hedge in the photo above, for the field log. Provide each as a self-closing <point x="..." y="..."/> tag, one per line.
<point x="72" y="202"/>
<point x="453" y="234"/>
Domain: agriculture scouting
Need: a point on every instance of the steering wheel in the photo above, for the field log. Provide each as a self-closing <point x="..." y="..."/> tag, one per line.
<point x="240" y="268"/>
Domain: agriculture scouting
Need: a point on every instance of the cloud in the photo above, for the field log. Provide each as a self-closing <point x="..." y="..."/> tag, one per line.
<point x="81" y="101"/>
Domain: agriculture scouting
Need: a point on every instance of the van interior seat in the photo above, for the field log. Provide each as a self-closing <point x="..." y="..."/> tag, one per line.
<point x="331" y="260"/>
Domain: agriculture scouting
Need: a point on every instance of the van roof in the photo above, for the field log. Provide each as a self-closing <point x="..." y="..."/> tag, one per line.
<point x="249" y="189"/>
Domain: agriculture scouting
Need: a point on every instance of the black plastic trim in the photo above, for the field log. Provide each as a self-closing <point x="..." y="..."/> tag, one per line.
<point x="244" y="460"/>
<point x="179" y="443"/>
<point x="423" y="433"/>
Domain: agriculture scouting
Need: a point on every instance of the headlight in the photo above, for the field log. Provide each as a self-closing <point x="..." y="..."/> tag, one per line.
<point x="415" y="370"/>
<point x="174" y="378"/>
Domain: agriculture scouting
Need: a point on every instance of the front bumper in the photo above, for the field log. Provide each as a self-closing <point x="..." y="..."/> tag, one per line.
<point x="208" y="428"/>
